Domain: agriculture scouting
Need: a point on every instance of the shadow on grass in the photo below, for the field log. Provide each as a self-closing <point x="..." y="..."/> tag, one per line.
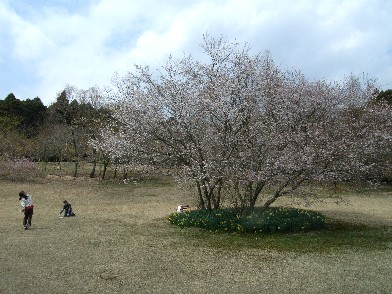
<point x="336" y="237"/>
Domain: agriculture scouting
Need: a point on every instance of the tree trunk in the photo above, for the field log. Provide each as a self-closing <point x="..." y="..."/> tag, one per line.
<point x="207" y="195"/>
<point x="253" y="198"/>
<point x="239" y="199"/>
<point x="76" y="169"/>
<point x="217" y="198"/>
<point x="92" y="174"/>
<point x="115" y="171"/>
<point x="75" y="153"/>
<point x="59" y="166"/>
<point x="199" y="191"/>
<point x="125" y="175"/>
<point x="105" y="166"/>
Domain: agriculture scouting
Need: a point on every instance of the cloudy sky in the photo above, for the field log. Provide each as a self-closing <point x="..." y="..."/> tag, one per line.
<point x="48" y="44"/>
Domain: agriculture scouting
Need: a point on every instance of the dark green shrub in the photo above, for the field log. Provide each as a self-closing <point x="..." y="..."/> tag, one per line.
<point x="272" y="220"/>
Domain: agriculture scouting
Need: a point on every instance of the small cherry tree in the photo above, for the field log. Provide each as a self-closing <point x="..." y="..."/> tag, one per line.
<point x="238" y="122"/>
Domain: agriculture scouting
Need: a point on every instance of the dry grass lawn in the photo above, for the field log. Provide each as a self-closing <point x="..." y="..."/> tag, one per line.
<point x="120" y="242"/>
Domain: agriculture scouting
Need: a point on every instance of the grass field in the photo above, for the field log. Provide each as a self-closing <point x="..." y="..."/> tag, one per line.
<point x="121" y="242"/>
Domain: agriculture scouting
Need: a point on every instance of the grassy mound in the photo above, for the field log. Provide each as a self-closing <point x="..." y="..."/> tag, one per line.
<point x="274" y="219"/>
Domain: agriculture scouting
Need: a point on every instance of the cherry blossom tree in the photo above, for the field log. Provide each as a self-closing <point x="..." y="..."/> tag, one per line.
<point x="237" y="122"/>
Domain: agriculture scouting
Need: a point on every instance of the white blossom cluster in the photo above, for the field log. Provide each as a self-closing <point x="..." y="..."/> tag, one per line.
<point x="239" y="122"/>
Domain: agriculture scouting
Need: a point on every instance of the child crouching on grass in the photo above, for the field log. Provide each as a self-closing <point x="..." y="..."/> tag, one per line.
<point x="67" y="208"/>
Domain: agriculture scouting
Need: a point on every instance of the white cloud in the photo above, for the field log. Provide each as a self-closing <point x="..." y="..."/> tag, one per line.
<point x="58" y="43"/>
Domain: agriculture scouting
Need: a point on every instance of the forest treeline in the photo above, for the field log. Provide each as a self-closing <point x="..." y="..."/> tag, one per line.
<point x="59" y="132"/>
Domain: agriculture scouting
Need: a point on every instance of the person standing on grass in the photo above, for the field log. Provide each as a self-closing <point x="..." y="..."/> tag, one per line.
<point x="26" y="202"/>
